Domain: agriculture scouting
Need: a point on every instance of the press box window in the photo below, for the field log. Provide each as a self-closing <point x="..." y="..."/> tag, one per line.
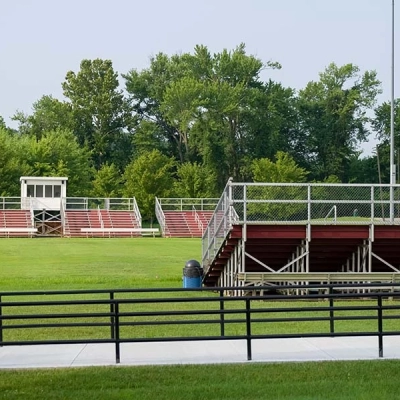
<point x="48" y="191"/>
<point x="39" y="190"/>
<point x="57" y="191"/>
<point x="30" y="191"/>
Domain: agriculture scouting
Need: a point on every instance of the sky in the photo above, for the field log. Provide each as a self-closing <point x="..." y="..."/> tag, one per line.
<point x="41" y="40"/>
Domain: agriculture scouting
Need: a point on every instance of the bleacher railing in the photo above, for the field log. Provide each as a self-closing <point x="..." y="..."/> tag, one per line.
<point x="187" y="204"/>
<point x="181" y="204"/>
<point x="77" y="203"/>
<point x="198" y="220"/>
<point x="62" y="214"/>
<point x="160" y="216"/>
<point x="291" y="203"/>
<point x="31" y="212"/>
<point x="10" y="203"/>
<point x="136" y="211"/>
<point x="93" y="203"/>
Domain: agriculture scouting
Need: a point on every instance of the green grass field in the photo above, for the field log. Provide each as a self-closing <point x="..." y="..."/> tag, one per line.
<point x="62" y="264"/>
<point x="254" y="381"/>
<point x="66" y="264"/>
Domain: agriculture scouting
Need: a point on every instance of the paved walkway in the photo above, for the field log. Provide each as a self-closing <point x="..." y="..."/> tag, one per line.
<point x="202" y="352"/>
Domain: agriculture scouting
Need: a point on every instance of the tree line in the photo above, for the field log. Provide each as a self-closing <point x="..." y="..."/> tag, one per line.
<point x="187" y="123"/>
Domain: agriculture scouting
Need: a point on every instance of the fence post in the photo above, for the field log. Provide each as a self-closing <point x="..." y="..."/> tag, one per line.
<point x="380" y="326"/>
<point x="221" y="314"/>
<point x="116" y="334"/>
<point x="331" y="314"/>
<point x="248" y="329"/>
<point x="112" y="317"/>
<point x="1" y="324"/>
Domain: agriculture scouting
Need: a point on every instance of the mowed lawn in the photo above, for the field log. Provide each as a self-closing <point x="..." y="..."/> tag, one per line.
<point x="334" y="380"/>
<point x="80" y="263"/>
<point x="63" y="264"/>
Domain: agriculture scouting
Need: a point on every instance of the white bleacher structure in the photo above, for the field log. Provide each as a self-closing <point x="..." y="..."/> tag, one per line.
<point x="45" y="210"/>
<point x="184" y="217"/>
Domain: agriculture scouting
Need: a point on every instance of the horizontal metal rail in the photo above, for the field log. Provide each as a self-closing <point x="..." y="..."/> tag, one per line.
<point x="166" y="315"/>
<point x="329" y="277"/>
<point x="187" y="204"/>
<point x="140" y="231"/>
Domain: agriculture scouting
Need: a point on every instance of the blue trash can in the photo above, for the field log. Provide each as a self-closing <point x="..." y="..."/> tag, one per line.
<point x="192" y="274"/>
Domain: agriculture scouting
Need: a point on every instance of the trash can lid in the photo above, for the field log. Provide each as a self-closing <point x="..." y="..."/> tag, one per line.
<point x="193" y="263"/>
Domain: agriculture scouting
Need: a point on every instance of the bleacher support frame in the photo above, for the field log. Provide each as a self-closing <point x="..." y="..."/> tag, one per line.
<point x="303" y="215"/>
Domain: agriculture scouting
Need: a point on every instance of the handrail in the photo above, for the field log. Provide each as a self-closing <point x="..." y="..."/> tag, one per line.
<point x="100" y="217"/>
<point x="106" y="310"/>
<point x="10" y="203"/>
<point x="63" y="219"/>
<point x="136" y="210"/>
<point x="186" y="203"/>
<point x="160" y="216"/>
<point x="32" y="214"/>
<point x="91" y="203"/>
<point x="198" y="220"/>
<point x="334" y="209"/>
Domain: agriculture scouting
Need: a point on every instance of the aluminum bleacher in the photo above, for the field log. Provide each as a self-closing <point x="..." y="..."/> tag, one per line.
<point x="184" y="217"/>
<point x="16" y="223"/>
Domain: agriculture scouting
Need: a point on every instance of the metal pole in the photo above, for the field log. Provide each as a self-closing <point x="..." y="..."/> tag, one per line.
<point x="222" y="315"/>
<point x="1" y="325"/>
<point x="248" y="330"/>
<point x="380" y="327"/>
<point x="392" y="164"/>
<point x="331" y="314"/>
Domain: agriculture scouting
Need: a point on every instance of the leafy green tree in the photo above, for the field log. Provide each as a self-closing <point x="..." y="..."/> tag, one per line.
<point x="284" y="169"/>
<point x="58" y="153"/>
<point x="146" y="90"/>
<point x="147" y="137"/>
<point x="13" y="150"/>
<point x="100" y="111"/>
<point x="225" y="126"/>
<point x="49" y="114"/>
<point x="2" y="123"/>
<point x="199" y="104"/>
<point x="366" y="169"/>
<point x="273" y="124"/>
<point x="107" y="182"/>
<point x="181" y="105"/>
<point x="381" y="124"/>
<point x="333" y="118"/>
<point x="147" y="177"/>
<point x="195" y="181"/>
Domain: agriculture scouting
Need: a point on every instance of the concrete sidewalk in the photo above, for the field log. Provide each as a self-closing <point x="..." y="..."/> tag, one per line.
<point x="199" y="352"/>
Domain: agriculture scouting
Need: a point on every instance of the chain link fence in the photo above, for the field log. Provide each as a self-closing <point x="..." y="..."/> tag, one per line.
<point x="316" y="203"/>
<point x="291" y="203"/>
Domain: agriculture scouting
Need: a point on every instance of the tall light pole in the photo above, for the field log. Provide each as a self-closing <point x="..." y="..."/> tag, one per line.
<point x="392" y="164"/>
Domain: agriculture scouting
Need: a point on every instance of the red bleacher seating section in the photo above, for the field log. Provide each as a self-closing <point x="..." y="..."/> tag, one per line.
<point x="77" y="219"/>
<point x="15" y="219"/>
<point x="177" y="223"/>
<point x="185" y="223"/>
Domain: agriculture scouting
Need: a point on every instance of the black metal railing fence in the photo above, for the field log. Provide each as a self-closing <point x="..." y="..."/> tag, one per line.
<point x="165" y="315"/>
